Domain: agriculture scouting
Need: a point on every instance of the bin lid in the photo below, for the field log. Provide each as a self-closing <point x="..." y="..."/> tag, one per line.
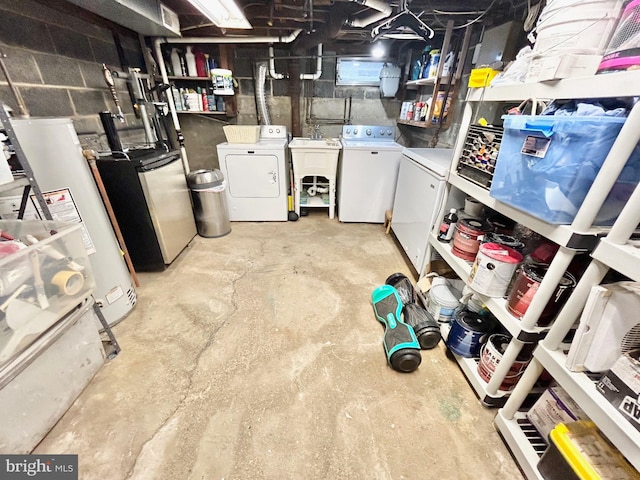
<point x="202" y="178"/>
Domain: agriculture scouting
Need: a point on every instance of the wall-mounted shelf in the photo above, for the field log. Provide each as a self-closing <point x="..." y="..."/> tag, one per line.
<point x="421" y="124"/>
<point x="203" y="112"/>
<point x="198" y="79"/>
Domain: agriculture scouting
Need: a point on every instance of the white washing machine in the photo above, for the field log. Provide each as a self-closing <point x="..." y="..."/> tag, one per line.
<point x="257" y="176"/>
<point x="368" y="173"/>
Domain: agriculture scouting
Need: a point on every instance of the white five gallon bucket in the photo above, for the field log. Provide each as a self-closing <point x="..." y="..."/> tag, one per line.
<point x="576" y="26"/>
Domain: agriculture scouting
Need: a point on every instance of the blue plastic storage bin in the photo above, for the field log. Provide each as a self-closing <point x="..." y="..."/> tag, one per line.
<point x="552" y="185"/>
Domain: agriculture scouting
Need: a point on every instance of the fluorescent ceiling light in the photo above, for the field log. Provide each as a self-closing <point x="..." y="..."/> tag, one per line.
<point x="224" y="13"/>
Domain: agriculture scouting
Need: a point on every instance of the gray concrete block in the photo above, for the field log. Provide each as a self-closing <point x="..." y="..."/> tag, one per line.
<point x="89" y="126"/>
<point x="372" y="93"/>
<point x="58" y="70"/>
<point x="328" y="67"/>
<point x="246" y="105"/>
<point x="47" y="102"/>
<point x="87" y="102"/>
<point x="280" y="88"/>
<point x="21" y="65"/>
<point x="71" y="43"/>
<point x="323" y="89"/>
<point x="7" y="98"/>
<point x="246" y="86"/>
<point x="346" y="92"/>
<point x="105" y="52"/>
<point x="92" y="74"/>
<point x="22" y="31"/>
<point x="135" y="59"/>
<point x="243" y="67"/>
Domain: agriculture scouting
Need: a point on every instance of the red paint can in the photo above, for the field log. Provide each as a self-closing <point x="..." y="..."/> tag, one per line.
<point x="490" y="356"/>
<point x="526" y="286"/>
<point x="466" y="240"/>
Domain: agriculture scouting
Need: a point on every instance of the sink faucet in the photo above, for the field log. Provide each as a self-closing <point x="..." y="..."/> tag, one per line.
<point x="316" y="134"/>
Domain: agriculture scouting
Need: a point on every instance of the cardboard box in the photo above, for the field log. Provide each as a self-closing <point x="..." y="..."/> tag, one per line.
<point x="553" y="407"/>
<point x="621" y="386"/>
<point x="566" y="65"/>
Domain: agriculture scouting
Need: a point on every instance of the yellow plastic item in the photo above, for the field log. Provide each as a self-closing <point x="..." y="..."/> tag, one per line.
<point x="590" y="456"/>
<point x="481" y="77"/>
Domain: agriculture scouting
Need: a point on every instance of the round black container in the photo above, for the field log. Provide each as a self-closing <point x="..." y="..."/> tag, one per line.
<point x="468" y="331"/>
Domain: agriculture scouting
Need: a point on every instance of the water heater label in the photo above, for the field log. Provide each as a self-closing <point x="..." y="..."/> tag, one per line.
<point x="63" y="208"/>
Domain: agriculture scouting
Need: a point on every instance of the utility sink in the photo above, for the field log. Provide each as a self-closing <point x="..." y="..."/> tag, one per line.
<point x="315" y="157"/>
<point x="311" y="143"/>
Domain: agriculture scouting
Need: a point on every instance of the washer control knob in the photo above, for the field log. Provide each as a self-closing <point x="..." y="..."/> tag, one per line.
<point x="348" y="131"/>
<point x="277" y="130"/>
<point x="368" y="132"/>
<point x="389" y="132"/>
<point x="355" y="131"/>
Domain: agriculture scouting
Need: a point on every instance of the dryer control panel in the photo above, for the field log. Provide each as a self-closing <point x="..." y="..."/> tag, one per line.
<point x="273" y="131"/>
<point x="369" y="133"/>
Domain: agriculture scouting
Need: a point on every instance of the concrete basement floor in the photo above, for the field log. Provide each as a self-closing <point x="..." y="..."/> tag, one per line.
<point x="258" y="356"/>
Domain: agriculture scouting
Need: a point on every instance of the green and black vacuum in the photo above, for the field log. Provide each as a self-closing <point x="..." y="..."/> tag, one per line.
<point x="400" y="342"/>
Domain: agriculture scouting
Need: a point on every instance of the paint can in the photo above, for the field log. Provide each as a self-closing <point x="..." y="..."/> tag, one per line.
<point x="466" y="240"/>
<point x="493" y="268"/>
<point x="468" y="331"/>
<point x="442" y="302"/>
<point x="527" y="283"/>
<point x="491" y="354"/>
<point x="502" y="239"/>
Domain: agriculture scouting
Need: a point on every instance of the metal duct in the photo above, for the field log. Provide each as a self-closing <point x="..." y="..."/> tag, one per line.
<point x="261" y="94"/>
<point x="148" y="17"/>
<point x="384" y="10"/>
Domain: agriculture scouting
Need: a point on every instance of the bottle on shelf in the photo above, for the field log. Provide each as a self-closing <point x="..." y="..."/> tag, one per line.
<point x="190" y="59"/>
<point x="448" y="226"/>
<point x="175" y="62"/>
<point x="434" y="61"/>
<point x="202" y="69"/>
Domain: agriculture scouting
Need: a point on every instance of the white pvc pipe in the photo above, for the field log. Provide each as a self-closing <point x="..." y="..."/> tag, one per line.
<point x="384" y="10"/>
<point x="236" y="39"/>
<point x="303" y="76"/>
<point x="318" y="74"/>
<point x="272" y="66"/>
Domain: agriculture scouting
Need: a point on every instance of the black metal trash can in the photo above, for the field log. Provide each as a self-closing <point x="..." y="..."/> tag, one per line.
<point x="209" y="202"/>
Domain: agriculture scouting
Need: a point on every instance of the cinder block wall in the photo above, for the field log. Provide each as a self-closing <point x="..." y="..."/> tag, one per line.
<point x="322" y="103"/>
<point x="55" y="57"/>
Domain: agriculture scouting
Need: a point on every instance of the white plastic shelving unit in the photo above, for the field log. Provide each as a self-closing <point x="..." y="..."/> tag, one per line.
<point x="613" y="251"/>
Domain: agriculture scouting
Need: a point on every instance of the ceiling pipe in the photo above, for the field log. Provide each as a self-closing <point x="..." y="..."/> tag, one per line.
<point x="384" y="10"/>
<point x="303" y="76"/>
<point x="235" y="39"/>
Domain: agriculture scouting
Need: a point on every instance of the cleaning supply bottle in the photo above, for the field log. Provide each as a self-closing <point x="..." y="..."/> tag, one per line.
<point x="434" y="62"/>
<point x="175" y="62"/>
<point x="448" y="226"/>
<point x="448" y="65"/>
<point x="201" y="64"/>
<point x="190" y="58"/>
<point x="424" y="60"/>
<point x="416" y="69"/>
